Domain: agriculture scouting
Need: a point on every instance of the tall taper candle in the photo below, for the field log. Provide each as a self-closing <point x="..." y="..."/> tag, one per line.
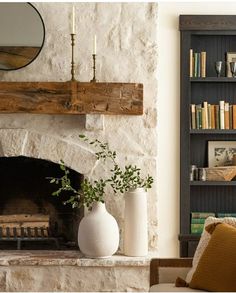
<point x="73" y="19"/>
<point x="95" y="45"/>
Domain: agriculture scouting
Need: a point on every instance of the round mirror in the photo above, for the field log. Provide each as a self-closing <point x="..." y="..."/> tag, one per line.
<point x="22" y="34"/>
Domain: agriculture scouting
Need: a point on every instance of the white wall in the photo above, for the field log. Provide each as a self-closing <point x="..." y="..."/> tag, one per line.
<point x="168" y="115"/>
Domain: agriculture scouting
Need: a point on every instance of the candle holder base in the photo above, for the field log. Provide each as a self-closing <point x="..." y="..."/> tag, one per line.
<point x="94" y="69"/>
<point x="94" y="80"/>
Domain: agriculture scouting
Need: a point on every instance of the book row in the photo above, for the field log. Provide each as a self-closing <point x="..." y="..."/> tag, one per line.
<point x="197" y="64"/>
<point x="207" y="116"/>
<point x="198" y="220"/>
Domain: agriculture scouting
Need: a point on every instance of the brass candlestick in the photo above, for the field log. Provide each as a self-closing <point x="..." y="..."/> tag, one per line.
<point x="94" y="69"/>
<point x="72" y="57"/>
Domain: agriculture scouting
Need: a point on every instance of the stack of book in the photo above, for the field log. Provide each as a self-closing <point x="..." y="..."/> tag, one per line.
<point x="198" y="220"/>
<point x="207" y="116"/>
<point x="197" y="64"/>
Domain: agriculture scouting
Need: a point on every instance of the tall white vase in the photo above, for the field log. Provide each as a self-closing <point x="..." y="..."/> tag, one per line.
<point x="98" y="235"/>
<point x="136" y="234"/>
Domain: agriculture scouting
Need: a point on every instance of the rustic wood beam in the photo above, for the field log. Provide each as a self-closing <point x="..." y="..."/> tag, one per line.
<point x="71" y="98"/>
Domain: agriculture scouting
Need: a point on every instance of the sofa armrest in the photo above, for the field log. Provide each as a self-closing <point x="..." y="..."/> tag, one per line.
<point x="159" y="266"/>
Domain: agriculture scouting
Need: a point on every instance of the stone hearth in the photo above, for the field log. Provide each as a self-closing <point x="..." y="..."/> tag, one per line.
<point x="69" y="271"/>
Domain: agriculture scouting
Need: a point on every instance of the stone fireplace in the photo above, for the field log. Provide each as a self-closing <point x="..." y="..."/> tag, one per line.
<point x="126" y="52"/>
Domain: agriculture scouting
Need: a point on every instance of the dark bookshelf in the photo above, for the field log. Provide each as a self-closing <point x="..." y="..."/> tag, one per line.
<point x="216" y="35"/>
<point x="213" y="183"/>
<point x="212" y="131"/>
<point x="212" y="79"/>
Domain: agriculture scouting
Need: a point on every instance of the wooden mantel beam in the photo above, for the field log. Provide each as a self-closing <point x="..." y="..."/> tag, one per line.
<point x="71" y="98"/>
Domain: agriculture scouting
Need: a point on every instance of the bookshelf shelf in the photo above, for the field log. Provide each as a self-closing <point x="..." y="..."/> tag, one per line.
<point x="212" y="183"/>
<point x="212" y="79"/>
<point x="213" y="131"/>
<point x="190" y="237"/>
<point x="204" y="196"/>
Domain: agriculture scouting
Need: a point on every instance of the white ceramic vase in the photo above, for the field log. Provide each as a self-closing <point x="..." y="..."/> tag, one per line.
<point x="98" y="235"/>
<point x="136" y="234"/>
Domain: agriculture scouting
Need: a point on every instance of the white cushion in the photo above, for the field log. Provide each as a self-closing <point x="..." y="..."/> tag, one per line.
<point x="170" y="287"/>
<point x="205" y="237"/>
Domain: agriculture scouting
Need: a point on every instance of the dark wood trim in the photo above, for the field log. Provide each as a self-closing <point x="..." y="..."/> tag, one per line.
<point x="189" y="237"/>
<point x="166" y="262"/>
<point x="71" y="98"/>
<point x="185" y="95"/>
<point x="207" y="22"/>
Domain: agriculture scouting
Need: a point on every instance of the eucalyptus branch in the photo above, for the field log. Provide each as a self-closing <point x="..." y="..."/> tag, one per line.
<point x="121" y="180"/>
<point x="104" y="150"/>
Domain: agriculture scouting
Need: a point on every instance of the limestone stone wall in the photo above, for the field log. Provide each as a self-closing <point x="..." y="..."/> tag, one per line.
<point x="126" y="52"/>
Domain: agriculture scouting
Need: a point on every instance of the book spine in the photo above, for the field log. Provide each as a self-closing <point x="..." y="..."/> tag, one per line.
<point x="209" y="116"/>
<point x="217" y="116"/>
<point x="234" y="116"/>
<point x="222" y="115"/>
<point x="197" y="228"/>
<point x="203" y="118"/>
<point x="191" y="63"/>
<point x="222" y="215"/>
<point x="193" y="116"/>
<point x="226" y="115"/>
<point x="203" y="64"/>
<point x="198" y="116"/>
<point x="205" y="106"/>
<point x="198" y="221"/>
<point x="199" y="65"/>
<point x="230" y="117"/>
<point x="195" y="64"/>
<point x="213" y="121"/>
<point x="196" y="215"/>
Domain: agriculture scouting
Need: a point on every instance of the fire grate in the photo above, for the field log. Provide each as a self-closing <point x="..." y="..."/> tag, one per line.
<point x="27" y="234"/>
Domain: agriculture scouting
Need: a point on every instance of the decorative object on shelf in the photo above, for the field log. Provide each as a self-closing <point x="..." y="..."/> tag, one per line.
<point x="193" y="173"/>
<point x="130" y="182"/>
<point x="230" y="57"/>
<point x="21" y="41"/>
<point x="72" y="57"/>
<point x="202" y="176"/>
<point x="218" y="68"/>
<point x="94" y="59"/>
<point x="98" y="234"/>
<point x="73" y="45"/>
<point x="220" y="153"/>
<point x="233" y="68"/>
<point x="220" y="173"/>
<point x="135" y="228"/>
<point x="94" y="69"/>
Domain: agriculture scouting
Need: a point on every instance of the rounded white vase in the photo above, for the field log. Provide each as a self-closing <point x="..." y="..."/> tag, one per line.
<point x="135" y="228"/>
<point x="98" y="234"/>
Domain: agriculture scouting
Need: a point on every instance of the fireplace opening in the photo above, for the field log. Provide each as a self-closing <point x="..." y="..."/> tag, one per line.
<point x="30" y="217"/>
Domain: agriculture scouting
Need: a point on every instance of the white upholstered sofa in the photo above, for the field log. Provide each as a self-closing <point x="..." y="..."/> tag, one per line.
<point x="163" y="273"/>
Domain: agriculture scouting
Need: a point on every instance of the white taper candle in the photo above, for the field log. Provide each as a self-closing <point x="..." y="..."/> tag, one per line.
<point x="73" y="19"/>
<point x="95" y="45"/>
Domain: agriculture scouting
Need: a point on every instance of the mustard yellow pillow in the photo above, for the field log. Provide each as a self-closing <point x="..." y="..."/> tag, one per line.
<point x="216" y="270"/>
